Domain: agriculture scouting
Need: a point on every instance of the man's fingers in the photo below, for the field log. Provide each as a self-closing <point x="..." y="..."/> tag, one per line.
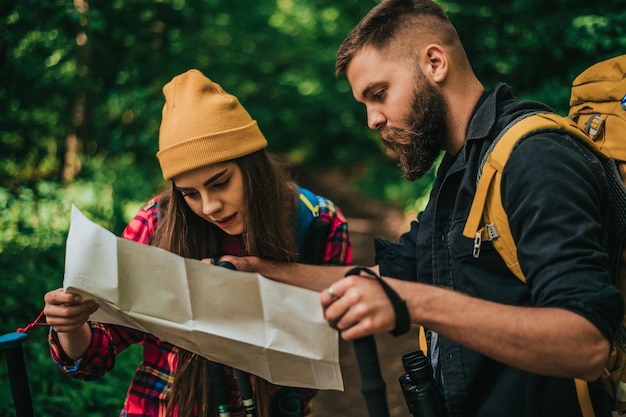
<point x="354" y="332"/>
<point x="357" y="307"/>
<point x="345" y="311"/>
<point x="331" y="294"/>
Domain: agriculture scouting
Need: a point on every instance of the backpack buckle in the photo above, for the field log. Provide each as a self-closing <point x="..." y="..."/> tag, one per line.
<point x="492" y="232"/>
<point x="477" y="241"/>
<point x="595" y="124"/>
<point x="487" y="232"/>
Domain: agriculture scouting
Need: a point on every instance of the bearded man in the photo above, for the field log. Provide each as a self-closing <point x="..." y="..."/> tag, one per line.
<point x="498" y="346"/>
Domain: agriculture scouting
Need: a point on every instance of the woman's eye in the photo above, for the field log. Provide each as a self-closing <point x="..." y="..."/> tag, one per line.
<point x="189" y="194"/>
<point x="221" y="184"/>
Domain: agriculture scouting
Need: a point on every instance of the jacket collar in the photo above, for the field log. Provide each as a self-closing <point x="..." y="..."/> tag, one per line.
<point x="485" y="113"/>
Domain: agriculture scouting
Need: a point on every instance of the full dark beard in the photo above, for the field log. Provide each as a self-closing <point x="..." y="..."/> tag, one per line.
<point x="417" y="146"/>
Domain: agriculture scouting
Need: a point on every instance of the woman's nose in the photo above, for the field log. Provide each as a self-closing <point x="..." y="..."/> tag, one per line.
<point x="211" y="205"/>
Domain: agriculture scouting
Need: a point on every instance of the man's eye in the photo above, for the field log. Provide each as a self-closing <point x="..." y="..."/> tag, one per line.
<point x="379" y="94"/>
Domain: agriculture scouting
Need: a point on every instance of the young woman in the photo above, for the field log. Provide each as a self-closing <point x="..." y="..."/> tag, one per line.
<point x="226" y="195"/>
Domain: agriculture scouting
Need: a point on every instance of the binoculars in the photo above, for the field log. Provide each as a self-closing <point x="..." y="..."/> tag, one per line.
<point x="418" y="386"/>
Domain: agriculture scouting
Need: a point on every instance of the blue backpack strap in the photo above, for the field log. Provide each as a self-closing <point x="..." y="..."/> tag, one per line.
<point x="311" y="230"/>
<point x="308" y="209"/>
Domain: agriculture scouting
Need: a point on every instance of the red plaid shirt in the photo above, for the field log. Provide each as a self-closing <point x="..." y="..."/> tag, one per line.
<point x="147" y="393"/>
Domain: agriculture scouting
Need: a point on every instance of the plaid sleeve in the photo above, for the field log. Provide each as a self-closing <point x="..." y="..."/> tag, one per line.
<point x="338" y="246"/>
<point x="106" y="343"/>
<point x="142" y="227"/>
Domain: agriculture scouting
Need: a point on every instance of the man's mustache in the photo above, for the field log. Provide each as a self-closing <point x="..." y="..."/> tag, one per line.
<point x="394" y="136"/>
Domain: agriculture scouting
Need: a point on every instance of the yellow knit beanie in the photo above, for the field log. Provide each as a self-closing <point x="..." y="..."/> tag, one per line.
<point x="203" y="125"/>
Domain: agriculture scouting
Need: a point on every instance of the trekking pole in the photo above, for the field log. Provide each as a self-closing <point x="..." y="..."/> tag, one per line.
<point x="373" y="385"/>
<point x="218" y="386"/>
<point x="247" y="396"/>
<point x="11" y="343"/>
<point x="243" y="378"/>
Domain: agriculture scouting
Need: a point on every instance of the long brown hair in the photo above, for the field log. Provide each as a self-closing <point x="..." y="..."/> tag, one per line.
<point x="269" y="232"/>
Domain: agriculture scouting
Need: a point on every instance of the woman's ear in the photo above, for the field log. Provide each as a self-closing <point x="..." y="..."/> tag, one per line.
<point x="435" y="63"/>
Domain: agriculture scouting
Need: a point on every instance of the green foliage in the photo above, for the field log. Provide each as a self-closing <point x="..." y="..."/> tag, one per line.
<point x="81" y="101"/>
<point x="538" y="47"/>
<point x="34" y="224"/>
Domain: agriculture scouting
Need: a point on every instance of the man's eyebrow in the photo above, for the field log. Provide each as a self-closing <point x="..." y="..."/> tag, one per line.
<point x="367" y="91"/>
<point x="207" y="182"/>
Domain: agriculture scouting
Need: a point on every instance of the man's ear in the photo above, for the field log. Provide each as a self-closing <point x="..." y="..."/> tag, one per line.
<point x="435" y="62"/>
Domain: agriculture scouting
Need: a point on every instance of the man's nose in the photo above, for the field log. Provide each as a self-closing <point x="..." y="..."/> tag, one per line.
<point x="375" y="119"/>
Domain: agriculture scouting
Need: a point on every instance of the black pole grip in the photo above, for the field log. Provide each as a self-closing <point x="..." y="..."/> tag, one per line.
<point x="219" y="388"/>
<point x="245" y="389"/>
<point x="372" y="383"/>
<point x="12" y="345"/>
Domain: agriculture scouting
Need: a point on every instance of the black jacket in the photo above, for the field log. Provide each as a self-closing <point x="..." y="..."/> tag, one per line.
<point x="556" y="196"/>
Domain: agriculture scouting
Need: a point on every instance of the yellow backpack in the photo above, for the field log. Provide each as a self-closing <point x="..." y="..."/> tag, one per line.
<point x="597" y="118"/>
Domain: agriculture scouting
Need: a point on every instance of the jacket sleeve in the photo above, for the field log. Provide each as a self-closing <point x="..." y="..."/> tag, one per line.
<point x="398" y="259"/>
<point x="558" y="210"/>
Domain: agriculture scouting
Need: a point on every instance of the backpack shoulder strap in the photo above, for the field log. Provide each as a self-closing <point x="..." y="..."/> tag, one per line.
<point x="487" y="219"/>
<point x="311" y="229"/>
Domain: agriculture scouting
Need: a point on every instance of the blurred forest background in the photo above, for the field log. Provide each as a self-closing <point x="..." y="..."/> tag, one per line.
<point x="80" y="105"/>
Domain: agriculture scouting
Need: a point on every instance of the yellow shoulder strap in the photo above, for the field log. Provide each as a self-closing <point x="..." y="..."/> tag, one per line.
<point x="584" y="398"/>
<point x="422" y="340"/>
<point x="487" y="205"/>
<point x="487" y="219"/>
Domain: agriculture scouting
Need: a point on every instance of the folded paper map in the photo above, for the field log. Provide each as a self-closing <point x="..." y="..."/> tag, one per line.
<point x="240" y="319"/>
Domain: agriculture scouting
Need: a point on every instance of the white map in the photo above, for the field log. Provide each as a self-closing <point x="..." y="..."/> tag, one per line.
<point x="240" y="319"/>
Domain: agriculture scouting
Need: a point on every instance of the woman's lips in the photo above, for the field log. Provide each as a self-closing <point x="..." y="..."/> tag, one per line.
<point x="227" y="221"/>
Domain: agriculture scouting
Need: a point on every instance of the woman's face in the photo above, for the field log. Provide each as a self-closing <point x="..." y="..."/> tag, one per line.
<point x="216" y="194"/>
